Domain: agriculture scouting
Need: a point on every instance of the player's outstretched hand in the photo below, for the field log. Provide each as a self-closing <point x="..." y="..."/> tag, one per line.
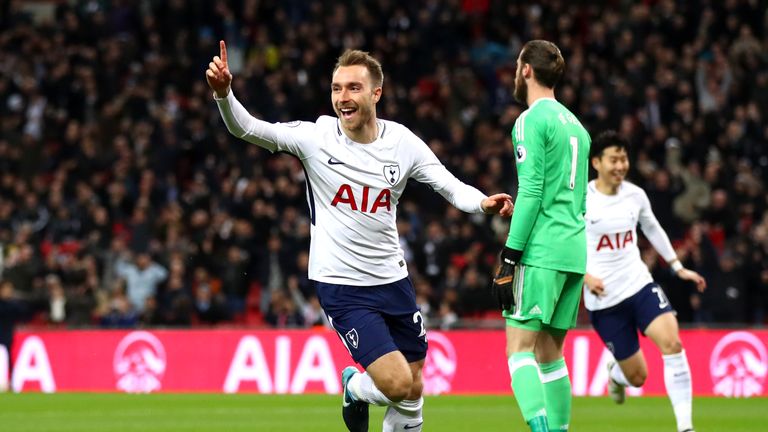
<point x="690" y="275"/>
<point x="502" y="288"/>
<point x="594" y="284"/>
<point x="218" y="76"/>
<point x="499" y="203"/>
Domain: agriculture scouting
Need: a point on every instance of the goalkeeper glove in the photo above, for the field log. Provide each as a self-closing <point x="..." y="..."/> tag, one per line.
<point x="502" y="282"/>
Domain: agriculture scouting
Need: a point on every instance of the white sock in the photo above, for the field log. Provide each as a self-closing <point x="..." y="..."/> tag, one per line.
<point x="677" y="379"/>
<point x="618" y="375"/>
<point x="363" y="389"/>
<point x="404" y="414"/>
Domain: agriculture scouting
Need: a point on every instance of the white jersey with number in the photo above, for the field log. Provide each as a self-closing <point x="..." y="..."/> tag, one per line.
<point x="612" y="252"/>
<point x="353" y="190"/>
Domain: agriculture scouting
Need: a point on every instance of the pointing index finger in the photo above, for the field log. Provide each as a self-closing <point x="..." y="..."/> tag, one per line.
<point x="223" y="52"/>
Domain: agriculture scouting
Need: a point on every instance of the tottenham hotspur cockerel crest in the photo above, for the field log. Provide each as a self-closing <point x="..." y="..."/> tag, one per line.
<point x="392" y="173"/>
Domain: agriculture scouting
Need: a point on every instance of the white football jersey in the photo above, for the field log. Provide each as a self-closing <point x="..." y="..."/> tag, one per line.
<point x="612" y="252"/>
<point x="353" y="190"/>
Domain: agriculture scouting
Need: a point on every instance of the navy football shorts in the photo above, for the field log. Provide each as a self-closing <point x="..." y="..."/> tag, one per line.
<point x="375" y="320"/>
<point x="618" y="325"/>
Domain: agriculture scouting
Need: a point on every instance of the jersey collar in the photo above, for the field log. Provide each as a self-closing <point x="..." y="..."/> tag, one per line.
<point x="593" y="186"/>
<point x="382" y="129"/>
<point x="541" y="99"/>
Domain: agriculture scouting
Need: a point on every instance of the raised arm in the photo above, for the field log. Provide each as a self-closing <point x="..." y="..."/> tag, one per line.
<point x="218" y="75"/>
<point x="294" y="138"/>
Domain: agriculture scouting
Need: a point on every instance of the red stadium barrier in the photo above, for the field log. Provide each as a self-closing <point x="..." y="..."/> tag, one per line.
<point x="726" y="363"/>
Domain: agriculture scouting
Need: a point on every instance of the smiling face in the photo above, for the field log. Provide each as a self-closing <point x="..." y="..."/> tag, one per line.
<point x="354" y="99"/>
<point x="611" y="166"/>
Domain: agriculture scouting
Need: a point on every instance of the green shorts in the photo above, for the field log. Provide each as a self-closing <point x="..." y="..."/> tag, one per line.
<point x="544" y="299"/>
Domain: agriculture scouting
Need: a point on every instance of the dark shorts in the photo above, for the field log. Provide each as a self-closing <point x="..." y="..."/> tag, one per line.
<point x="375" y="320"/>
<point x="618" y="325"/>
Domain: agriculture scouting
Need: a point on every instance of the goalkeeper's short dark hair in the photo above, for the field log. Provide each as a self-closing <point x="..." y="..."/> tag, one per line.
<point x="609" y="138"/>
<point x="546" y="60"/>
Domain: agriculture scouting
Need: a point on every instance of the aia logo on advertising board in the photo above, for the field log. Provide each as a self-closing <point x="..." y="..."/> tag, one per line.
<point x="139" y="363"/>
<point x="738" y="365"/>
<point x="440" y="365"/>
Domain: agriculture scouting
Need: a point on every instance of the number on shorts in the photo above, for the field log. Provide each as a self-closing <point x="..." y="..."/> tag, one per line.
<point x="418" y="319"/>
<point x="662" y="298"/>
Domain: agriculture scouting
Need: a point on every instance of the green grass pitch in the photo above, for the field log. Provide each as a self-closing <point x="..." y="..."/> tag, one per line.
<point x="84" y="412"/>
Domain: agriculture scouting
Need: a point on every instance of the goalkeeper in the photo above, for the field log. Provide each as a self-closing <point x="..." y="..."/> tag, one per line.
<point x="544" y="260"/>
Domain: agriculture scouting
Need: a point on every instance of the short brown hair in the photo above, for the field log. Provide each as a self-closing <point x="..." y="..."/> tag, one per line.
<point x="546" y="60"/>
<point x="362" y="58"/>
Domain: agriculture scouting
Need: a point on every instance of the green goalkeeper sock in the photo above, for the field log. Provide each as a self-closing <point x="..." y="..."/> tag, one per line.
<point x="557" y="392"/>
<point x="529" y="392"/>
<point x="538" y="424"/>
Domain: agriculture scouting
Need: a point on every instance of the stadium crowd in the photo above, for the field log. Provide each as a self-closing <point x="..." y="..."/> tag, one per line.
<point x="124" y="202"/>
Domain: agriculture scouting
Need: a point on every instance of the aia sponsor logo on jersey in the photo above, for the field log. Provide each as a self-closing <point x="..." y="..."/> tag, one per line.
<point x="615" y="241"/>
<point x="365" y="203"/>
<point x="738" y="365"/>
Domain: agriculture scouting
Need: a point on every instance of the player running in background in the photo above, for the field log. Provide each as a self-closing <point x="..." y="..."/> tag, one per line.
<point x="619" y="292"/>
<point x="543" y="262"/>
<point x="357" y="167"/>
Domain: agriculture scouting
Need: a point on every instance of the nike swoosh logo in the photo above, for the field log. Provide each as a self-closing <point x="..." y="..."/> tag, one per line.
<point x="412" y="426"/>
<point x="594" y="221"/>
<point x="334" y="161"/>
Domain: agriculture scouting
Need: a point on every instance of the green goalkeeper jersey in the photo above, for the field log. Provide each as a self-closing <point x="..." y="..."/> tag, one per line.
<point x="552" y="155"/>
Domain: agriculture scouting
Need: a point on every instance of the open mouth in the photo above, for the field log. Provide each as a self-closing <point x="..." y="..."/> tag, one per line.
<point x="347" y="112"/>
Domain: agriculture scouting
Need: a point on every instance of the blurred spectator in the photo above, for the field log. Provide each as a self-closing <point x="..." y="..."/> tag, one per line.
<point x="311" y="311"/>
<point x="473" y="295"/>
<point x="695" y="195"/>
<point x="434" y="253"/>
<point x="211" y="308"/>
<point x="21" y="268"/>
<point x="152" y="314"/>
<point x="142" y="277"/>
<point x="81" y="305"/>
<point x="447" y="317"/>
<point x="713" y="82"/>
<point x="235" y="279"/>
<point x="118" y="311"/>
<point x="209" y="294"/>
<point x="58" y="299"/>
<point x="176" y="303"/>
<point x="274" y="266"/>
<point x="725" y="300"/>
<point x="721" y="217"/>
<point x="283" y="312"/>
